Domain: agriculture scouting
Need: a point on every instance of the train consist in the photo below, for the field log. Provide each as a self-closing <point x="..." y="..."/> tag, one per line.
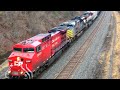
<point x="30" y="57"/>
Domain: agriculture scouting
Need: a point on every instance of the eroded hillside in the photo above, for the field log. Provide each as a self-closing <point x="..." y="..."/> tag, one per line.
<point x="16" y="26"/>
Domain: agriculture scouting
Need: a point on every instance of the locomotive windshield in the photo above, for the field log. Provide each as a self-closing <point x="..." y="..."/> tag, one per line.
<point x="28" y="49"/>
<point x="17" y="49"/>
<point x="86" y="14"/>
<point x="70" y="25"/>
<point x="67" y="24"/>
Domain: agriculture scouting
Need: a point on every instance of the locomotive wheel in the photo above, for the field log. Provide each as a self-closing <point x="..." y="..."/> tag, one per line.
<point x="27" y="77"/>
<point x="6" y="78"/>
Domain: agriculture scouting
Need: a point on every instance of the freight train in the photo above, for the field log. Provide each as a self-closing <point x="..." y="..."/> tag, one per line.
<point x="32" y="56"/>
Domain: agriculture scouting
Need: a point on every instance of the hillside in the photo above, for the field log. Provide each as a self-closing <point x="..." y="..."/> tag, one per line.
<point x="16" y="26"/>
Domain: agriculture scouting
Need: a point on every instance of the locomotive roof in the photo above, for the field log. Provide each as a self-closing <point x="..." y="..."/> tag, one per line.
<point x="33" y="41"/>
<point x="77" y="18"/>
<point x="39" y="36"/>
<point x="69" y="22"/>
<point x="55" y="33"/>
<point x="59" y="28"/>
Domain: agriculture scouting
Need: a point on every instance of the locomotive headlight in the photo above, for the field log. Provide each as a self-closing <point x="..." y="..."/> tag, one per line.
<point x="9" y="60"/>
<point x="18" y="58"/>
<point x="21" y="72"/>
<point x="9" y="72"/>
<point x="28" y="61"/>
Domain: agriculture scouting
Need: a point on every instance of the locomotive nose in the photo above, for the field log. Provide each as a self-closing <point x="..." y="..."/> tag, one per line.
<point x="16" y="72"/>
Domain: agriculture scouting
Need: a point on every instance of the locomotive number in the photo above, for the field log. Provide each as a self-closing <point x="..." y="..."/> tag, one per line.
<point x="16" y="63"/>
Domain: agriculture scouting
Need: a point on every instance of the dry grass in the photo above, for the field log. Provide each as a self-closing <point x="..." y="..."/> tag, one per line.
<point x="116" y="57"/>
<point x="16" y="26"/>
<point x="106" y="54"/>
<point x="116" y="63"/>
<point x="4" y="65"/>
<point x="106" y="66"/>
<point x="105" y="61"/>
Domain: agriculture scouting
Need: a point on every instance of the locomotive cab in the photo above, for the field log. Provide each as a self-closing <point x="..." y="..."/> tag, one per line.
<point x="20" y="62"/>
<point x="28" y="55"/>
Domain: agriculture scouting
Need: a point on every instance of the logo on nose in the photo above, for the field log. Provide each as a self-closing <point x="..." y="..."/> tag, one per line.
<point x="18" y="62"/>
<point x="18" y="59"/>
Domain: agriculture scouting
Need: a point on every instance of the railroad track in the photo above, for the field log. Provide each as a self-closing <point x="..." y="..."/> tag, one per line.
<point x="67" y="71"/>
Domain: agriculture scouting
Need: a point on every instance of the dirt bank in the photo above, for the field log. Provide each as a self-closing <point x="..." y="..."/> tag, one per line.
<point x="16" y="26"/>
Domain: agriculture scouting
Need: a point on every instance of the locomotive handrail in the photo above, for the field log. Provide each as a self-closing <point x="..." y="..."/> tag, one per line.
<point x="29" y="71"/>
<point x="25" y="71"/>
<point x="6" y="73"/>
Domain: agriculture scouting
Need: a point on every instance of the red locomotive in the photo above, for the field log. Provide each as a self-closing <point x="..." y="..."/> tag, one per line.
<point x="30" y="57"/>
